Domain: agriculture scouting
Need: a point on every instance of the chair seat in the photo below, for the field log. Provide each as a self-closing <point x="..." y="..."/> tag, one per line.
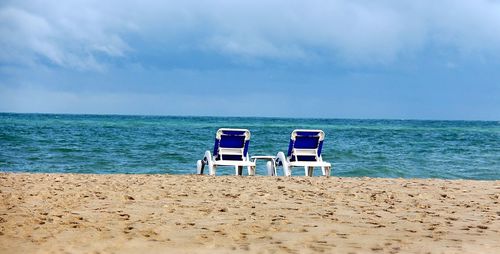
<point x="310" y="164"/>
<point x="233" y="163"/>
<point x="231" y="151"/>
<point x="305" y="152"/>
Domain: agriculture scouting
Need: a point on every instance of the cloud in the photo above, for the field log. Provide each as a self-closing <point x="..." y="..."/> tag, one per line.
<point x="31" y="37"/>
<point x="89" y="35"/>
<point x="357" y="32"/>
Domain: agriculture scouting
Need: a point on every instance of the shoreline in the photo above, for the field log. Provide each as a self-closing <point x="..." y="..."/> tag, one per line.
<point x="54" y="212"/>
<point x="263" y="174"/>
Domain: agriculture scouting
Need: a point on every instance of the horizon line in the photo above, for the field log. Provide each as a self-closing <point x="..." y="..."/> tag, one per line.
<point x="232" y="116"/>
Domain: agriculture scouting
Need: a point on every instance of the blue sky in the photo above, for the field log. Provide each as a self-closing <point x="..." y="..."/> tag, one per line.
<point x="332" y="59"/>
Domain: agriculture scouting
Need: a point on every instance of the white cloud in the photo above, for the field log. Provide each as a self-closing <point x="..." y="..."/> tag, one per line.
<point x="29" y="37"/>
<point x="75" y="34"/>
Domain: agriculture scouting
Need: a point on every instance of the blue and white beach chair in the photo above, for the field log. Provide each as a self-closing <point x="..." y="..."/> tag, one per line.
<point x="230" y="149"/>
<point x="304" y="151"/>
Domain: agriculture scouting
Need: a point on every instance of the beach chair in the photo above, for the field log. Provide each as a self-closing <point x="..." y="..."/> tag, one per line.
<point x="230" y="149"/>
<point x="304" y="150"/>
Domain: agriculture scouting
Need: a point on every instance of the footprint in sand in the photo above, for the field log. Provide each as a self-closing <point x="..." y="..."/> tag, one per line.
<point x="124" y="216"/>
<point x="149" y="233"/>
<point x="128" y="229"/>
<point x="343" y="236"/>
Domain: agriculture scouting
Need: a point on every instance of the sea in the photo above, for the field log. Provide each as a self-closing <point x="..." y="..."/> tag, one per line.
<point x="109" y="144"/>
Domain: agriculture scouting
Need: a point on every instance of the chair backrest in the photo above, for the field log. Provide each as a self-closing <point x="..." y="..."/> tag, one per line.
<point x="306" y="145"/>
<point x="231" y="144"/>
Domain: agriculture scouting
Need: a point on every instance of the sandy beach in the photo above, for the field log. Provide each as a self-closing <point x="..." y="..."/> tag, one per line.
<point x="81" y="213"/>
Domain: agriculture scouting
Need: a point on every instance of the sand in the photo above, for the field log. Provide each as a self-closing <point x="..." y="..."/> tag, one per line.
<point x="81" y="213"/>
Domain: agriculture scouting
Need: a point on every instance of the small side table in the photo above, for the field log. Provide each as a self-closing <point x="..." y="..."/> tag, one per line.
<point x="271" y="163"/>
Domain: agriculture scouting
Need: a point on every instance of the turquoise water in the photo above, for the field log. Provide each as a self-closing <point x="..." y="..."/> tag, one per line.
<point x="171" y="145"/>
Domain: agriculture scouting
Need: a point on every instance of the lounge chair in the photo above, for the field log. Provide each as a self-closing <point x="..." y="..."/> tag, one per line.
<point x="304" y="151"/>
<point x="230" y="149"/>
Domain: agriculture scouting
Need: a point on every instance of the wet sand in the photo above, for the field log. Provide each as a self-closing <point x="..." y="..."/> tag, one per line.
<point x="80" y="213"/>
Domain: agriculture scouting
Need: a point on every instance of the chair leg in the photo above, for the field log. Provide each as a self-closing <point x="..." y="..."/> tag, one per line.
<point x="326" y="171"/>
<point x="287" y="170"/>
<point x="239" y="170"/>
<point x="251" y="170"/>
<point x="212" y="169"/>
<point x="308" y="170"/>
<point x="207" y="159"/>
<point x="199" y="167"/>
<point x="271" y="171"/>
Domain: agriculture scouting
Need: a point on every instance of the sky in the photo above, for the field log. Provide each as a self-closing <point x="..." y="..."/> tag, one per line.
<point x="284" y="58"/>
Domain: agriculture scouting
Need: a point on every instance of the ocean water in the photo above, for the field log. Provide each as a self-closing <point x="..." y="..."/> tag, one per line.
<point x="171" y="145"/>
